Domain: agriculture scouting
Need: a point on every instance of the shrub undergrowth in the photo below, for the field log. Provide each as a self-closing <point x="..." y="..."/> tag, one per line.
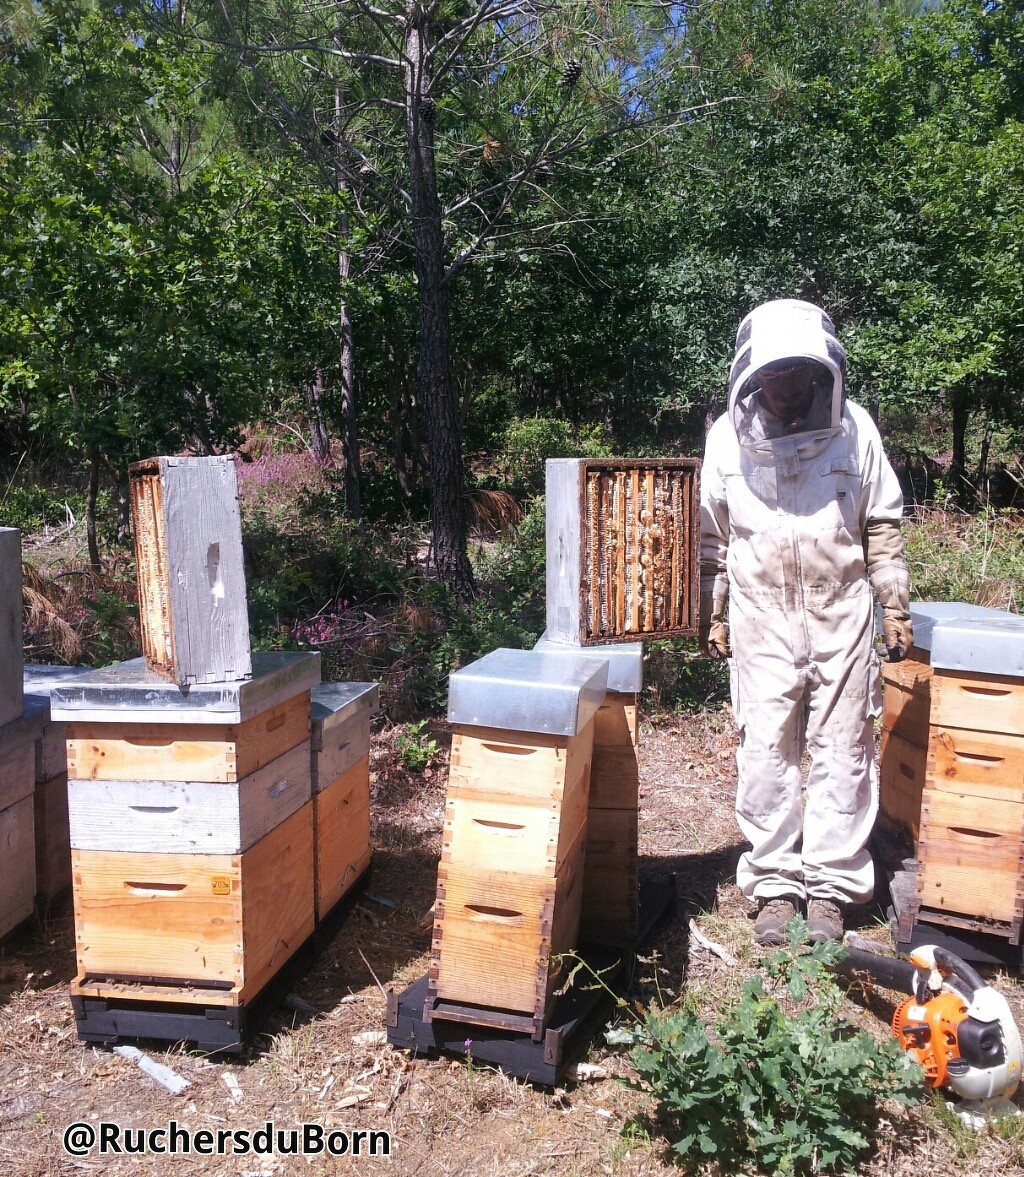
<point x="778" y="1082"/>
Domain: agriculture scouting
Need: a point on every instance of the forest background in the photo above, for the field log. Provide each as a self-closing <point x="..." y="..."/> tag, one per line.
<point x="396" y="253"/>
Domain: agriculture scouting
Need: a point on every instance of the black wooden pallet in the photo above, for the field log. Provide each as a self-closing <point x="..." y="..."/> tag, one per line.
<point x="216" y="1028"/>
<point x="576" y="1015"/>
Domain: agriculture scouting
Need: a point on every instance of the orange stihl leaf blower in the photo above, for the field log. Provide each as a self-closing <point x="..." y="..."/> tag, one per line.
<point x="956" y="1025"/>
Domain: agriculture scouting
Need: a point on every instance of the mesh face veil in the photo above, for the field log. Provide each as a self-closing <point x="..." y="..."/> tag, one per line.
<point x="790" y="336"/>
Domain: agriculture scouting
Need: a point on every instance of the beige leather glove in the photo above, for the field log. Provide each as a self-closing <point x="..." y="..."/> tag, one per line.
<point x="713" y="633"/>
<point x="887" y="571"/>
<point x="897" y="633"/>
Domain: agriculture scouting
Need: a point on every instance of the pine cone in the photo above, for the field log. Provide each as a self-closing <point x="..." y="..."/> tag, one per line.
<point x="572" y="72"/>
<point x="427" y="111"/>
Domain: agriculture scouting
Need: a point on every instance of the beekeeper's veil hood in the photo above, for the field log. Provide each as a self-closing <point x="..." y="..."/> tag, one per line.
<point x="773" y="333"/>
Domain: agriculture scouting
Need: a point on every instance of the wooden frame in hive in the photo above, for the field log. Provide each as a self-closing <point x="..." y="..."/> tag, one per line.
<point x="622" y="561"/>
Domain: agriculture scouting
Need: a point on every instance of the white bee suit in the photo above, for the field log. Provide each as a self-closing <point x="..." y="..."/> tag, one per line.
<point x="784" y="525"/>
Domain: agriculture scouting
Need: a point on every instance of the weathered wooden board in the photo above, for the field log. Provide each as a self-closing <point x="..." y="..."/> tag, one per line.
<point x="186" y="752"/>
<point x="615" y="724"/>
<point x="520" y="832"/>
<point x="11" y="655"/>
<point x="341" y="746"/>
<point x="188" y="543"/>
<point x="526" y="764"/>
<point x="610" y="877"/>
<point x="17" y="765"/>
<point x="498" y="933"/>
<point x="906" y="700"/>
<point x="977" y="762"/>
<point x="974" y="701"/>
<point x="902" y="779"/>
<point x="17" y="864"/>
<point x="53" y="838"/>
<point x="970" y="855"/>
<point x="212" y="919"/>
<point x="621" y="540"/>
<point x="188" y="817"/>
<point x="614" y="778"/>
<point x="341" y="814"/>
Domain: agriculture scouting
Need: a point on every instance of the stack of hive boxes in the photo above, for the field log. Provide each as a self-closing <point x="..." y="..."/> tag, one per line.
<point x="190" y="778"/>
<point x="53" y="835"/>
<point x="341" y="790"/>
<point x="18" y="733"/>
<point x="964" y="802"/>
<point x="611" y="869"/>
<point x="510" y="881"/>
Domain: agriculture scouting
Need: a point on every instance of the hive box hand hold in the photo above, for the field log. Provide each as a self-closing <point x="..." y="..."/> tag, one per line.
<point x="621" y="549"/>
<point x="193" y="616"/>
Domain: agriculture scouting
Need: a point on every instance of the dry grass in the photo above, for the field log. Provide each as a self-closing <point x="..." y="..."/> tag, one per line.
<point x="445" y="1118"/>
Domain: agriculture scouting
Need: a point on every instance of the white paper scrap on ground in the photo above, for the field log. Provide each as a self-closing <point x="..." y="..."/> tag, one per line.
<point x="167" y="1078"/>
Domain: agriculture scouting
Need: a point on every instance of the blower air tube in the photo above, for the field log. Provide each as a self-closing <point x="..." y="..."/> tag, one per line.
<point x="857" y="965"/>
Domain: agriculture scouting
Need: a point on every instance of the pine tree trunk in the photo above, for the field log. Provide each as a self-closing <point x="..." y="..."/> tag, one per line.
<point x="124" y="508"/>
<point x="434" y="374"/>
<point x="349" y="424"/>
<point x="319" y="435"/>
<point x="958" y="466"/>
<point x="90" y="507"/>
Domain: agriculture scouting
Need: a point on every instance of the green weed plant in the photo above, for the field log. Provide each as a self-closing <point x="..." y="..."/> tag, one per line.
<point x="780" y="1082"/>
<point x="416" y="749"/>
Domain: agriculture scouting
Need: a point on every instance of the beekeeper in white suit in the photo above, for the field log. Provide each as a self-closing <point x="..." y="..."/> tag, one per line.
<point x="800" y="521"/>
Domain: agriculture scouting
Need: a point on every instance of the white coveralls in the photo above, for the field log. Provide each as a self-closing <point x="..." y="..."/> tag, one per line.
<point x="783" y="520"/>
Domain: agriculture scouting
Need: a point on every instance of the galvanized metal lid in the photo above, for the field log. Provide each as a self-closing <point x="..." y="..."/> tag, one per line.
<point x="41" y="678"/>
<point x="334" y="702"/>
<point x="625" y="660"/>
<point x="528" y="691"/>
<point x="983" y="645"/>
<point x="926" y="615"/>
<point x="131" y="692"/>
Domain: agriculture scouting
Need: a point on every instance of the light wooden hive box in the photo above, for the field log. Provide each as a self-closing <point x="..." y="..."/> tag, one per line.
<point x="971" y="843"/>
<point x="340" y="748"/>
<point x="193" y="616"/>
<point x="191" y="823"/>
<point x="510" y="880"/>
<point x="52" y="829"/>
<point x="609" y="911"/>
<point x="621" y="549"/>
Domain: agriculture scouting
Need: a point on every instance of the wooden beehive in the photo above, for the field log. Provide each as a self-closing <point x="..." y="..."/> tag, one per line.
<point x="341" y="820"/>
<point x="971" y="842"/>
<point x="193" y="616"/>
<point x="191" y="923"/>
<point x="906" y="724"/>
<point x="622" y="540"/>
<point x="129" y="751"/>
<point x="53" y="838"/>
<point x="17" y="864"/>
<point x="510" y="882"/>
<point x="11" y="655"/>
<point x="611" y="871"/>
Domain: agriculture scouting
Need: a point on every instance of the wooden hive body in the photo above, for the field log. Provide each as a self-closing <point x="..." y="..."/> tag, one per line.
<point x="510" y="882"/>
<point x="341" y="816"/>
<point x="11" y="655"/>
<point x="129" y="751"/>
<point x="971" y="846"/>
<point x="611" y="873"/>
<point x="193" y="616"/>
<point x="17" y="863"/>
<point x="189" y="924"/>
<point x="906" y="722"/>
<point x="621" y="538"/>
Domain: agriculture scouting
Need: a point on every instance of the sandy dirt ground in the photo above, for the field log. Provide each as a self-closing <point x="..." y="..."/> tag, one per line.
<point x="333" y="1067"/>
